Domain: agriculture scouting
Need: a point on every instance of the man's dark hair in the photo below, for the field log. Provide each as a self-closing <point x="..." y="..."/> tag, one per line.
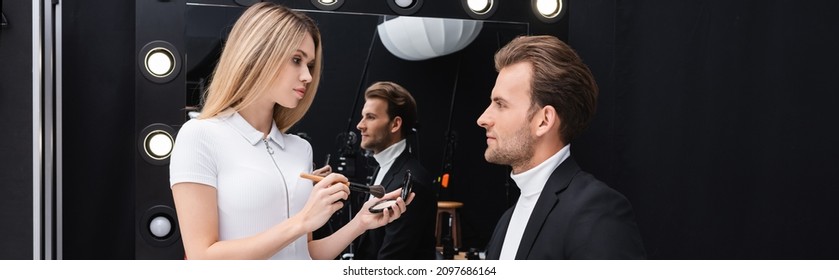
<point x="400" y="103"/>
<point x="560" y="79"/>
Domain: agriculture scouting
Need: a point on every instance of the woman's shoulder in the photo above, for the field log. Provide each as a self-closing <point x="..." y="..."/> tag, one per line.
<point x="201" y="126"/>
<point x="295" y="140"/>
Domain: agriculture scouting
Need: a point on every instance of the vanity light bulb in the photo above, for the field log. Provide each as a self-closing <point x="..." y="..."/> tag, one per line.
<point x="160" y="62"/>
<point x="159" y="144"/>
<point x="404" y="3"/>
<point x="479" y="6"/>
<point x="548" y="8"/>
<point x="160" y="226"/>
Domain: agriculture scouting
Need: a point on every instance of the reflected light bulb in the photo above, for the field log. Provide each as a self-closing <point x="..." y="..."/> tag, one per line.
<point x="548" y="8"/>
<point x="478" y="6"/>
<point x="404" y="3"/>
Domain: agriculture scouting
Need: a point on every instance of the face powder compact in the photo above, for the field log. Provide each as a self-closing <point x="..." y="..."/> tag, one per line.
<point x="382" y="205"/>
<point x="406" y="190"/>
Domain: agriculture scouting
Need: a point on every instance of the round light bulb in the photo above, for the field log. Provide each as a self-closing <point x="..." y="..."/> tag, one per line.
<point x="404" y="3"/>
<point x="479" y="6"/>
<point x="160" y="144"/>
<point x="160" y="226"/>
<point x="160" y="62"/>
<point x="548" y="8"/>
<point x="327" y="2"/>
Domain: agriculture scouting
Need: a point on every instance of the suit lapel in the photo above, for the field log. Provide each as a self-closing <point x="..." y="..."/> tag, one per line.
<point x="494" y="247"/>
<point x="549" y="198"/>
<point x="372" y="179"/>
<point x="394" y="169"/>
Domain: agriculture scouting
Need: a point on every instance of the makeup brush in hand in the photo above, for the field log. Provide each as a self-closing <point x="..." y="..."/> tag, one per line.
<point x="376" y="190"/>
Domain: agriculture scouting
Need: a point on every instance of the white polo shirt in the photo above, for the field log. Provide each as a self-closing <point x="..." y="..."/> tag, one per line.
<point x="227" y="153"/>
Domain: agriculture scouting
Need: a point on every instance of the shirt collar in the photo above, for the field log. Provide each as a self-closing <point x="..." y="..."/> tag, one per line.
<point x="531" y="182"/>
<point x="386" y="156"/>
<point x="251" y="134"/>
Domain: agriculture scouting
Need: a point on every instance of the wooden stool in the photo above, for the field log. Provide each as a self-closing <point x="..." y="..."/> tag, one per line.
<point x="449" y="207"/>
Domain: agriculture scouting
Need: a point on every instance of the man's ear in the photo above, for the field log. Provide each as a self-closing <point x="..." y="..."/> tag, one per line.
<point x="396" y="124"/>
<point x="547" y="119"/>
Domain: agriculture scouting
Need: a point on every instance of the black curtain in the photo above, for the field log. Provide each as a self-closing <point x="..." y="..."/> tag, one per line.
<point x="16" y="144"/>
<point x="98" y="130"/>
<point x="716" y="119"/>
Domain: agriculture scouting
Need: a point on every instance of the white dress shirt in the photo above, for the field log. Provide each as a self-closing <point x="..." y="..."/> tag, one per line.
<point x="531" y="183"/>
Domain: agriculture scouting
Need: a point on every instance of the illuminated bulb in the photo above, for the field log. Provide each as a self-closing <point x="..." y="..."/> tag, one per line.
<point x="548" y="8"/>
<point x="160" y="62"/>
<point x="479" y="6"/>
<point x="160" y="144"/>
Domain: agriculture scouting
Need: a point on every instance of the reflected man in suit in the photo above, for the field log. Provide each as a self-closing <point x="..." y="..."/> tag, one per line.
<point x="387" y="119"/>
<point x="544" y="96"/>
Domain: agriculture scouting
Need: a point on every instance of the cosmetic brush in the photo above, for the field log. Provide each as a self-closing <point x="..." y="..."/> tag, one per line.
<point x="375" y="190"/>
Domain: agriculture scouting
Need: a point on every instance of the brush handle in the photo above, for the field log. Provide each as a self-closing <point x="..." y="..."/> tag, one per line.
<point x="353" y="186"/>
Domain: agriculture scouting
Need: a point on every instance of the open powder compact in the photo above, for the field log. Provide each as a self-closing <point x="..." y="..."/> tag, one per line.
<point x="406" y="189"/>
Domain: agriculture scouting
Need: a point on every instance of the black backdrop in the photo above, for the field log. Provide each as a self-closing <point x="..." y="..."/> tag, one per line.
<point x="715" y="120"/>
<point x="99" y="140"/>
<point x="16" y="143"/>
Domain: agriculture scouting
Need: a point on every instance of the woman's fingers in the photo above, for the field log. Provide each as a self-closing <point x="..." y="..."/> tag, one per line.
<point x="393" y="194"/>
<point x="323" y="171"/>
<point x="387" y="214"/>
<point x="337" y="192"/>
<point x="326" y="198"/>
<point x="331" y="179"/>
<point x="333" y="183"/>
<point x="410" y="198"/>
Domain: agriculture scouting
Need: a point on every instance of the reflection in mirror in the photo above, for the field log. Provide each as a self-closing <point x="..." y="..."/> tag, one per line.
<point x="446" y="64"/>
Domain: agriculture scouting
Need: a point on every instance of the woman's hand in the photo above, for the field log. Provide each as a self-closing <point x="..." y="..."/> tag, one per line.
<point x="327" y="196"/>
<point x="370" y="220"/>
<point x="323" y="171"/>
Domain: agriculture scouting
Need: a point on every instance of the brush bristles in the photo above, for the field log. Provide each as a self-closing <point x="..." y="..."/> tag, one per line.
<point x="377" y="191"/>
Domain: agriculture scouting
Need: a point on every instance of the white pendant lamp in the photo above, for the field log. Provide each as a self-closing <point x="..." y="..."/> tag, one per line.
<point x="421" y="38"/>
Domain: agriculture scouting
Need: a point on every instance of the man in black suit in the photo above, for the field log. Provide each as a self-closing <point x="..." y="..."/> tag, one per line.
<point x="544" y="96"/>
<point x="388" y="117"/>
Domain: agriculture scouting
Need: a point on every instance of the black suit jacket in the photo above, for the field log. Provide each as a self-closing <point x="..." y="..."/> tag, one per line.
<point x="575" y="217"/>
<point x="411" y="237"/>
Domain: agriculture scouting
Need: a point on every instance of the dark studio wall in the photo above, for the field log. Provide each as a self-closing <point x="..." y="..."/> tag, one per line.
<point x="98" y="125"/>
<point x="16" y="146"/>
<point x="715" y="119"/>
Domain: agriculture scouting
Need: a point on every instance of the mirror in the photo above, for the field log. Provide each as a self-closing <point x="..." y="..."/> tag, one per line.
<point x="451" y="91"/>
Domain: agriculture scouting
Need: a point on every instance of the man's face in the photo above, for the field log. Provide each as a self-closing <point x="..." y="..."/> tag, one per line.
<point x="508" y="130"/>
<point x="377" y="129"/>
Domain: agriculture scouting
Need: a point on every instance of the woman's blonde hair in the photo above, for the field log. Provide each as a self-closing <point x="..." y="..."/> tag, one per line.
<point x="263" y="39"/>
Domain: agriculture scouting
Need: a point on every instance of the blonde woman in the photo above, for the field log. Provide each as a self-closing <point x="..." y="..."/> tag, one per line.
<point x="234" y="172"/>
